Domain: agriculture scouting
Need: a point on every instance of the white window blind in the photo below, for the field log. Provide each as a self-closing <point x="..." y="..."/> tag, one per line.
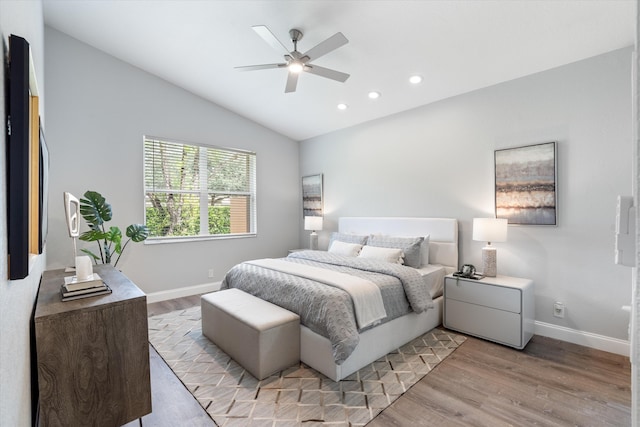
<point x="196" y="190"/>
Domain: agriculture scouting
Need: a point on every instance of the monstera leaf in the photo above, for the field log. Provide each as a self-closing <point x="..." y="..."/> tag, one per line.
<point x="137" y="232"/>
<point x="95" y="209"/>
<point x="96" y="212"/>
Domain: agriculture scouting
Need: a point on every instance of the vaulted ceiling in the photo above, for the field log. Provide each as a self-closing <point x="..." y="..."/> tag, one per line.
<point x="456" y="46"/>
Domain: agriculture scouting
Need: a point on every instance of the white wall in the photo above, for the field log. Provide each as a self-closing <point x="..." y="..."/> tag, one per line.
<point x="17" y="297"/>
<point x="437" y="161"/>
<point x="99" y="109"/>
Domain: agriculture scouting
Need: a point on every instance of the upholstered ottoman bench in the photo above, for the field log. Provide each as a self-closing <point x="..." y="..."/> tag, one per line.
<point x="260" y="336"/>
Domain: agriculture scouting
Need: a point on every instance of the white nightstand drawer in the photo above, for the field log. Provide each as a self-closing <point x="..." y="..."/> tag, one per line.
<point x="497" y="325"/>
<point x="488" y="295"/>
<point x="499" y="309"/>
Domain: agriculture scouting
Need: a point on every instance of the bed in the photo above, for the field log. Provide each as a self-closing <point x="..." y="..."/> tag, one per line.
<point x="284" y="282"/>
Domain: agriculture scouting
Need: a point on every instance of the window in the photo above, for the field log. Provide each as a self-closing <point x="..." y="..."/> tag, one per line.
<point x="198" y="191"/>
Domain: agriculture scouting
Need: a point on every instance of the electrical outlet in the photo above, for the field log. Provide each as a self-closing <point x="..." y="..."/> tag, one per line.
<point x="211" y="273"/>
<point x="558" y="309"/>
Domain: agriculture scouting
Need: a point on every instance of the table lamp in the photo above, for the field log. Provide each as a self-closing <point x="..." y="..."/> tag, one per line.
<point x="313" y="223"/>
<point x="490" y="230"/>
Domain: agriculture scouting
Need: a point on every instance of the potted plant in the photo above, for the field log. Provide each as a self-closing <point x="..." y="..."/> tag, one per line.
<point x="96" y="211"/>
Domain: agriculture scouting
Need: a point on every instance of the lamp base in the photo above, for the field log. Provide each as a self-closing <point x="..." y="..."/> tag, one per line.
<point x="489" y="261"/>
<point x="313" y="241"/>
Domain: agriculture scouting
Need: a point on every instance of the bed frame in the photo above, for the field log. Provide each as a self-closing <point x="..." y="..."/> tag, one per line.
<point x="315" y="350"/>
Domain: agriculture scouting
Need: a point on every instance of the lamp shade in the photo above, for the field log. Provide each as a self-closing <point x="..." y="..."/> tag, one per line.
<point x="313" y="223"/>
<point x="490" y="229"/>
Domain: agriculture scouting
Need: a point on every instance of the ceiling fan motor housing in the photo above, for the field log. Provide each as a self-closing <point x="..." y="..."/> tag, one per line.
<point x="295" y="34"/>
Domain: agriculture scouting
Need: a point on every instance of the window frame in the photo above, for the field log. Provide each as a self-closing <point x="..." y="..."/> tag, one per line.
<point x="252" y="194"/>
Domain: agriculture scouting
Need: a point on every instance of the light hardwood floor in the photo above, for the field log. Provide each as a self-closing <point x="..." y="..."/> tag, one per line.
<point x="549" y="383"/>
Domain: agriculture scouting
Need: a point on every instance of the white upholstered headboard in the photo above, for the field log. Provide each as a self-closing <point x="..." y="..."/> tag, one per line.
<point x="443" y="233"/>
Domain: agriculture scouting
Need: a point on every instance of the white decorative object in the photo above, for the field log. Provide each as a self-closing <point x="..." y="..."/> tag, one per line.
<point x="313" y="223"/>
<point x="72" y="217"/>
<point x="84" y="269"/>
<point x="490" y="230"/>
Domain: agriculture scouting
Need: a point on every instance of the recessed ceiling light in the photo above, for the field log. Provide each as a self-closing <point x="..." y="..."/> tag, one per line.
<point x="342" y="106"/>
<point x="415" y="79"/>
<point x="374" y="95"/>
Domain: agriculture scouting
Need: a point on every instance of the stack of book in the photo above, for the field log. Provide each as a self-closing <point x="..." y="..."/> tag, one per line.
<point x="75" y="289"/>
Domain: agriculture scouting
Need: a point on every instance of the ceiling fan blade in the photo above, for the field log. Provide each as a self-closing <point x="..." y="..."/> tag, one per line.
<point x="332" y="43"/>
<point x="268" y="36"/>
<point x="326" y="72"/>
<point x="259" y="67"/>
<point x="292" y="82"/>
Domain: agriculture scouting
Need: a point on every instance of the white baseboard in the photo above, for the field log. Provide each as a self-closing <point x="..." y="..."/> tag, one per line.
<point x="182" y="292"/>
<point x="587" y="339"/>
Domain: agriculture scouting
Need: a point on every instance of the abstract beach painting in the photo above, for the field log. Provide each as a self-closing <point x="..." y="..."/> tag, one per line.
<point x="312" y="195"/>
<point x="526" y="184"/>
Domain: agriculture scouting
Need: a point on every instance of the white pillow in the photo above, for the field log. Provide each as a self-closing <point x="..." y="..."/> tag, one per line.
<point x="414" y="256"/>
<point x="411" y="247"/>
<point x="343" y="248"/>
<point x="384" y="254"/>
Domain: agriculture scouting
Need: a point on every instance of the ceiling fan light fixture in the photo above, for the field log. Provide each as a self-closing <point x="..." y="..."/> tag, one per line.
<point x="415" y="79"/>
<point x="295" y="67"/>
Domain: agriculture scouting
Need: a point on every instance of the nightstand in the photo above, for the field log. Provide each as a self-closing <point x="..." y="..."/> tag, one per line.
<point x="499" y="309"/>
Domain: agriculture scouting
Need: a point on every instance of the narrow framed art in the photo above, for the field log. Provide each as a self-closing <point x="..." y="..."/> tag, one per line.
<point x="526" y="184"/>
<point x="312" y="195"/>
<point x="43" y="200"/>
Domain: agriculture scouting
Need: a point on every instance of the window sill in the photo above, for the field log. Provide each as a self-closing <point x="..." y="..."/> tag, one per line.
<point x="163" y="240"/>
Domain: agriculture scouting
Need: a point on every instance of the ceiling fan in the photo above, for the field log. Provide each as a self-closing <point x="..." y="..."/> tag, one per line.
<point x="297" y="62"/>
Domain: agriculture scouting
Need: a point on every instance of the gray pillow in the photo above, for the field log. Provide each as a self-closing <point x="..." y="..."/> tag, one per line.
<point x="348" y="238"/>
<point x="409" y="245"/>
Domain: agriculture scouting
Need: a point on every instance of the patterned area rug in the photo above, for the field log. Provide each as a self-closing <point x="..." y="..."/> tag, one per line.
<point x="233" y="397"/>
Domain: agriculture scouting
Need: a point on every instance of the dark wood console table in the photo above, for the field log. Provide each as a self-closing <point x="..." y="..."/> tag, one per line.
<point x="92" y="353"/>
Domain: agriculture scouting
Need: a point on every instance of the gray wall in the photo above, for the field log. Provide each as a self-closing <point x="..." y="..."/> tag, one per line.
<point x="99" y="109"/>
<point x="635" y="303"/>
<point x="437" y="161"/>
<point x="22" y="18"/>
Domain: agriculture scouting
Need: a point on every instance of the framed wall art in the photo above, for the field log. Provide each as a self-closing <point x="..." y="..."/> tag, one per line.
<point x="525" y="184"/>
<point x="43" y="192"/>
<point x="34" y="176"/>
<point x="312" y="195"/>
